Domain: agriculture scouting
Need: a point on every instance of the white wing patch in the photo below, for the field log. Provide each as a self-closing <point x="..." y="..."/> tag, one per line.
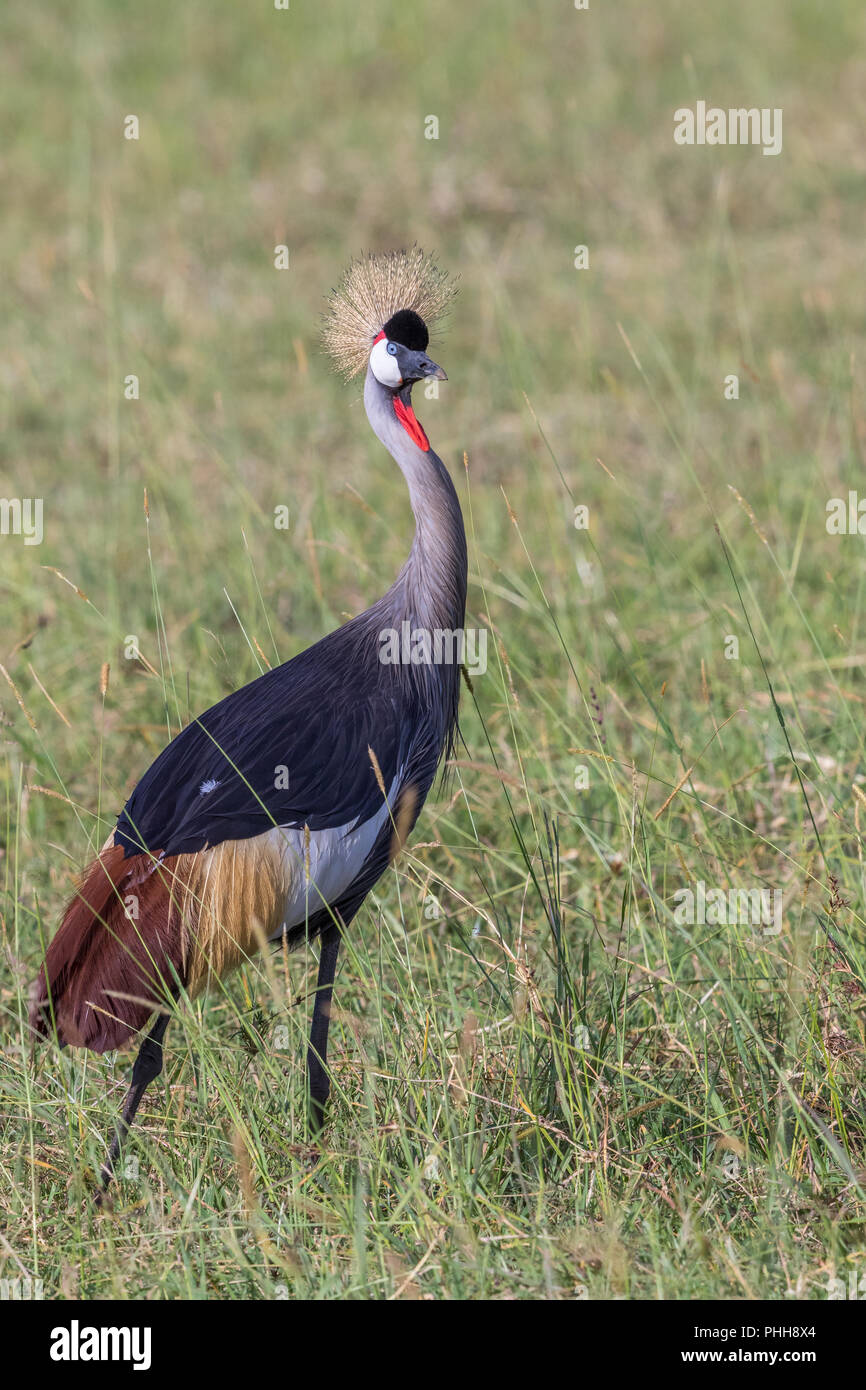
<point x="323" y="864"/>
<point x="209" y="786"/>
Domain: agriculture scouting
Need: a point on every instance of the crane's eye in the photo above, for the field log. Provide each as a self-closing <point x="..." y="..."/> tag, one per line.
<point x="392" y="348"/>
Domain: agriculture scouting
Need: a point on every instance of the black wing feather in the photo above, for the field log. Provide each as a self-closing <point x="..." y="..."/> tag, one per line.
<point x="315" y="716"/>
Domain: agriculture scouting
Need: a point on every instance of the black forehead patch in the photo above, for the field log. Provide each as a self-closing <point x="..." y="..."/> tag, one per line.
<point x="407" y="328"/>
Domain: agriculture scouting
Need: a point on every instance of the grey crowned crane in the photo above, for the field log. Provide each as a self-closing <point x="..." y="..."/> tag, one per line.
<point x="271" y="816"/>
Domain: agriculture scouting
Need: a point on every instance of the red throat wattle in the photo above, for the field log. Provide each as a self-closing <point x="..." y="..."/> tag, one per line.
<point x="408" y="419"/>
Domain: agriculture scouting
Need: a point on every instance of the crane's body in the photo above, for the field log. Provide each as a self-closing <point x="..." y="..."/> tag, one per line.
<point x="271" y="816"/>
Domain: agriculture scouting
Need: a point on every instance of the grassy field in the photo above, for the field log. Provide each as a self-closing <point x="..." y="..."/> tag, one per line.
<point x="546" y="1084"/>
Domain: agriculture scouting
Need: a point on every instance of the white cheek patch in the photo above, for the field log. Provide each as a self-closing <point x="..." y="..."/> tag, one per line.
<point x="384" y="365"/>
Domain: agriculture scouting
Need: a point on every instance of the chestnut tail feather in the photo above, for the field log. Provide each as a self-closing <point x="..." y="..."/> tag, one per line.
<point x="110" y="964"/>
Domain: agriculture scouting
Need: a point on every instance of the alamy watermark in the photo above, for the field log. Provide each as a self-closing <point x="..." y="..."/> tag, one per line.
<point x="77" y="1343"/>
<point x="855" y="1288"/>
<point x="21" y="1290"/>
<point x="740" y="125"/>
<point x="22" y="516"/>
<point x="846" y="516"/>
<point x="438" y="646"/>
<point x="760" y="908"/>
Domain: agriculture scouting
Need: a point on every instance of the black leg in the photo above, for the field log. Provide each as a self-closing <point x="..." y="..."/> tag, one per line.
<point x="148" y="1065"/>
<point x="317" y="1053"/>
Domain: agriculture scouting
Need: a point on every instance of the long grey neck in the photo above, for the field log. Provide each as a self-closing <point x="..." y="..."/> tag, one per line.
<point x="430" y="589"/>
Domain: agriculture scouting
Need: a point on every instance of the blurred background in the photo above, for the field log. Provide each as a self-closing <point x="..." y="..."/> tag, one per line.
<point x="551" y="1071"/>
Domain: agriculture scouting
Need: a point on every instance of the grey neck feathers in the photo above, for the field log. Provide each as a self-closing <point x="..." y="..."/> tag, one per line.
<point x="430" y="590"/>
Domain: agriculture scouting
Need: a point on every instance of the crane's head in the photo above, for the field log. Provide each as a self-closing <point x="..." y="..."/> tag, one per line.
<point x="398" y="356"/>
<point x="379" y="315"/>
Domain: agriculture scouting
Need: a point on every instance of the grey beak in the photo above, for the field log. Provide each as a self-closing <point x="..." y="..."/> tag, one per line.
<point x="431" y="369"/>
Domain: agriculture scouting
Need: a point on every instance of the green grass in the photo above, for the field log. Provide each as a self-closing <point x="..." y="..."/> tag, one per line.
<point x="544" y="1085"/>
